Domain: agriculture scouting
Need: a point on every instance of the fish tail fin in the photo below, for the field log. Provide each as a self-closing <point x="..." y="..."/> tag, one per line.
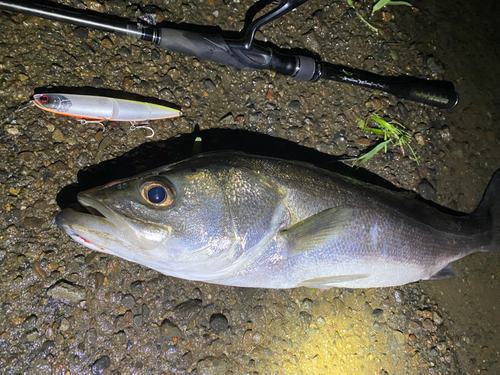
<point x="489" y="210"/>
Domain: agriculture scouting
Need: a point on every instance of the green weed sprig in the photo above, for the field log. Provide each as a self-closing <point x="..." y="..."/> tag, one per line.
<point x="377" y="5"/>
<point x="393" y="132"/>
<point x="361" y="17"/>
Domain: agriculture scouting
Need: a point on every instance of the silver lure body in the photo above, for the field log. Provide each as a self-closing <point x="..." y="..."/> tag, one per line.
<point x="251" y="221"/>
<point x="102" y="108"/>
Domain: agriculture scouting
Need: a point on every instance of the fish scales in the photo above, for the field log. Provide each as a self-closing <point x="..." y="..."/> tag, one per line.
<point x="251" y="221"/>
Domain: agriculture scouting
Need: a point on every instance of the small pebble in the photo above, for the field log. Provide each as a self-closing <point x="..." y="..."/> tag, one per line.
<point x="189" y="310"/>
<point x="107" y="42"/>
<point x="426" y="190"/>
<point x="426" y="314"/>
<point x="32" y="335"/>
<point x="437" y="318"/>
<point x="98" y="81"/>
<point x="386" y="16"/>
<point x="98" y="280"/>
<point x="398" y="295"/>
<point x="81" y="32"/>
<point x="100" y="365"/>
<point x="352" y="152"/>
<point x="128" y="301"/>
<point x="64" y="325"/>
<point x="58" y="136"/>
<point x="306" y="304"/>
<point x="138" y="320"/>
<point x="305" y="318"/>
<point x="445" y="134"/>
<point x="174" y="74"/>
<point x="145" y="311"/>
<point x="209" y="85"/>
<point x="363" y="142"/>
<point x="121" y="337"/>
<point x="395" y="340"/>
<point x="90" y="257"/>
<point x="403" y="111"/>
<point x="106" y="141"/>
<point x="47" y="345"/>
<point x="67" y="291"/>
<point x="11" y="129"/>
<point x="434" y="65"/>
<point x="169" y="330"/>
<point x="294" y="106"/>
<point x="428" y="325"/>
<point x="39" y="270"/>
<point x="30" y="321"/>
<point x="419" y="138"/>
<point x="155" y="55"/>
<point x="219" y="323"/>
<point x="414" y="326"/>
<point x="18" y="320"/>
<point x="94" y="5"/>
<point x="136" y="287"/>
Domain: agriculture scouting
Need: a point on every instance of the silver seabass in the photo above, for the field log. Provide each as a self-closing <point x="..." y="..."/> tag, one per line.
<point x="249" y="221"/>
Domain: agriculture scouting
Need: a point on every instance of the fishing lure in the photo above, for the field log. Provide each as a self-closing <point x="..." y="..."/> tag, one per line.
<point x="99" y="108"/>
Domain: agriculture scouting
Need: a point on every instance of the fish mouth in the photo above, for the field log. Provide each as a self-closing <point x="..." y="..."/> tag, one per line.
<point x="98" y="227"/>
<point x="89" y="223"/>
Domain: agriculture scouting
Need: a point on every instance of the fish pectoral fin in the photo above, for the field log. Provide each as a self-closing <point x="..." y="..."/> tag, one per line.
<point x="328" y="282"/>
<point x="443" y="273"/>
<point x="318" y="230"/>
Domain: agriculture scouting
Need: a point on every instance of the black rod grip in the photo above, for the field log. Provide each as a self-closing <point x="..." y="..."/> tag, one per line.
<point x="437" y="93"/>
<point x="440" y="94"/>
<point x="210" y="47"/>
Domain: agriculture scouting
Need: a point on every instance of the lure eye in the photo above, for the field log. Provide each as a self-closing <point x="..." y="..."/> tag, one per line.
<point x="157" y="193"/>
<point x="43" y="99"/>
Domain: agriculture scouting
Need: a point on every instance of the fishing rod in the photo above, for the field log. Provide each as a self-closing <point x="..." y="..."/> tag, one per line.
<point x="245" y="52"/>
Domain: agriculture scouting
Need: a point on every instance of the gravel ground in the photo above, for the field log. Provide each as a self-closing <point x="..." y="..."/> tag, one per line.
<point x="67" y="310"/>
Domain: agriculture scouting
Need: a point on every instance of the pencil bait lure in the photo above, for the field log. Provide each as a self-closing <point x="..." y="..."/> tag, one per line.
<point x="88" y="108"/>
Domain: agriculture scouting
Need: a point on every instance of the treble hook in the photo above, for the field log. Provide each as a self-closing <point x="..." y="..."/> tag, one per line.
<point x="144" y="125"/>
<point x="97" y="122"/>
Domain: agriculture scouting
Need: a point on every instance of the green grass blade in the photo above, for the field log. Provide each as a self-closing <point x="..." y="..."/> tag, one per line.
<point x="413" y="153"/>
<point x="379" y="5"/>
<point x="364" y="158"/>
<point x="349" y="2"/>
<point x="366" y="22"/>
<point x="400" y="3"/>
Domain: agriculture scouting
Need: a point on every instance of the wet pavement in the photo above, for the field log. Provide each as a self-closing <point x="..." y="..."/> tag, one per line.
<point x="65" y="309"/>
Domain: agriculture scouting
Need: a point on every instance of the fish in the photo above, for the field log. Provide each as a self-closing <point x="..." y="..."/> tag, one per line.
<point x="102" y="108"/>
<point x="252" y="221"/>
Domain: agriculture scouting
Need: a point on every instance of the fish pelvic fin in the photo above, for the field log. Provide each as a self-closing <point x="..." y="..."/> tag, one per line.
<point x="331" y="281"/>
<point x="443" y="273"/>
<point x="319" y="230"/>
<point x="489" y="210"/>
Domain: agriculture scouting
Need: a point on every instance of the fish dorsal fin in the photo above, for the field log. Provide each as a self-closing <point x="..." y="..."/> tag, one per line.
<point x="443" y="273"/>
<point x="328" y="282"/>
<point x="318" y="230"/>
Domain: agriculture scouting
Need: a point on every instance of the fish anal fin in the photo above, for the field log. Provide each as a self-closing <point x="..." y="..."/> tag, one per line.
<point x="318" y="230"/>
<point x="443" y="273"/>
<point x="330" y="281"/>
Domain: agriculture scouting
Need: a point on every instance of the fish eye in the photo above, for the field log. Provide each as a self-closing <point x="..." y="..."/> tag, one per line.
<point x="43" y="99"/>
<point x="157" y="193"/>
